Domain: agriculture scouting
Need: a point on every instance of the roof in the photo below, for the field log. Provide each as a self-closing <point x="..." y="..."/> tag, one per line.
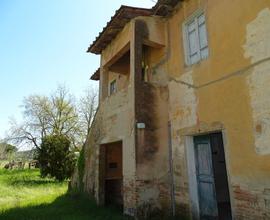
<point x="164" y="7"/>
<point x="96" y="75"/>
<point x="118" y="21"/>
<point x="122" y="16"/>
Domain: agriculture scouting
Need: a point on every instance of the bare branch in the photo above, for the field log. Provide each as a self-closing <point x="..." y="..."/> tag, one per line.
<point x="56" y="114"/>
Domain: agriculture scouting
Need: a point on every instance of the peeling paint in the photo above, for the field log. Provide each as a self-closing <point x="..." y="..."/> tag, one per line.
<point x="184" y="101"/>
<point x="183" y="115"/>
<point x="148" y="194"/>
<point x="257" y="47"/>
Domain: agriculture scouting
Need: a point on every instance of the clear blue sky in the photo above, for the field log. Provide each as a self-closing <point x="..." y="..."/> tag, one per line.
<point x="43" y="43"/>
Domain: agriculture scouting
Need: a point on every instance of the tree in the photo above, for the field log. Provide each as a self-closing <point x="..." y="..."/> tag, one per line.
<point x="7" y="151"/>
<point x="36" y="123"/>
<point x="55" y="126"/>
<point x="87" y="109"/>
<point x="58" y="114"/>
<point x="55" y="157"/>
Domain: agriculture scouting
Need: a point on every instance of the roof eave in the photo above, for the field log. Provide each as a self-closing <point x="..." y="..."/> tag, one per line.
<point x="121" y="17"/>
<point x="96" y="75"/>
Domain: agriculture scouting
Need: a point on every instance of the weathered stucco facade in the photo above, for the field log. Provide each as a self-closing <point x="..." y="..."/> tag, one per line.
<point x="162" y="103"/>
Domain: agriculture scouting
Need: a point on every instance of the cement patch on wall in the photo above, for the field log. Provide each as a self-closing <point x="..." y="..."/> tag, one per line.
<point x="148" y="194"/>
<point x="257" y="47"/>
<point x="184" y="100"/>
<point x="183" y="115"/>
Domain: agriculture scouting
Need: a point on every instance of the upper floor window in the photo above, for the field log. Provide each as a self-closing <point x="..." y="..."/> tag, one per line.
<point x="195" y="38"/>
<point x="113" y="87"/>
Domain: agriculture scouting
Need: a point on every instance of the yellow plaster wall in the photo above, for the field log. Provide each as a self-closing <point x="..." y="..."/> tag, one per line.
<point x="120" y="42"/>
<point x="114" y="121"/>
<point x="122" y="81"/>
<point x="238" y="36"/>
<point x="156" y="29"/>
<point x="226" y="101"/>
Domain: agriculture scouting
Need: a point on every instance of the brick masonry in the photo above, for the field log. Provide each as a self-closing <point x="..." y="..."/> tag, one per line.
<point x="251" y="204"/>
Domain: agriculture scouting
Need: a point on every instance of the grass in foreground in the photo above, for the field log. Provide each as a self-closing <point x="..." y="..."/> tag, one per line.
<point x="26" y="196"/>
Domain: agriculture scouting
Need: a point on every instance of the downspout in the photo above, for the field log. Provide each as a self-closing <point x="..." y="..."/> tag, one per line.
<point x="172" y="194"/>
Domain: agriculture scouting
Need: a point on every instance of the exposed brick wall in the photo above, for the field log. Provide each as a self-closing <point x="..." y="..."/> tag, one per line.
<point x="153" y="198"/>
<point x="251" y="204"/>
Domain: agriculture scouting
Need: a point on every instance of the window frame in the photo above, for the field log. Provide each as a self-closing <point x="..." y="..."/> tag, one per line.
<point x="194" y="16"/>
<point x="110" y="86"/>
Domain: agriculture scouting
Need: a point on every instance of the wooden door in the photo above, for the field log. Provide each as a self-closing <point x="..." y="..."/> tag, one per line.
<point x="114" y="174"/>
<point x="221" y="179"/>
<point x="114" y="161"/>
<point x="205" y="178"/>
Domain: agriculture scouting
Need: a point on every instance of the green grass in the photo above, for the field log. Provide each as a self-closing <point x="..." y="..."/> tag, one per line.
<point x="26" y="196"/>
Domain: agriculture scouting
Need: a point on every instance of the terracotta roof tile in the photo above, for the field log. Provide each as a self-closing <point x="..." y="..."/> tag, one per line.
<point x="122" y="16"/>
<point x="165" y="7"/>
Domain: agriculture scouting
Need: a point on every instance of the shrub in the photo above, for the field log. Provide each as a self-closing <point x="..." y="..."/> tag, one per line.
<point x="81" y="166"/>
<point x="55" y="158"/>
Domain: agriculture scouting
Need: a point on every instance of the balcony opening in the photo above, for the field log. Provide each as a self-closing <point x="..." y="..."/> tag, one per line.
<point x="118" y="73"/>
<point x="121" y="65"/>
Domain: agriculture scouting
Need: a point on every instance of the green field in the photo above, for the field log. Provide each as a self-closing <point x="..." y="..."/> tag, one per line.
<point x="26" y="196"/>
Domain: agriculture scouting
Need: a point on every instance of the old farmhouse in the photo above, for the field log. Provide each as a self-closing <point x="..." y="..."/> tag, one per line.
<point x="183" y="124"/>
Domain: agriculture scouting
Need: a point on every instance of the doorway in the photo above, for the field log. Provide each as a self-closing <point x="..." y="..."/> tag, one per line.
<point x="113" y="174"/>
<point x="211" y="175"/>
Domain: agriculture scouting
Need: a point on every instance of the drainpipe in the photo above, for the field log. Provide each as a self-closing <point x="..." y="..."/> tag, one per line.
<point x="171" y="169"/>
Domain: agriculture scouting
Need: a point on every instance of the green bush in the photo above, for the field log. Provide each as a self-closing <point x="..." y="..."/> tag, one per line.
<point x="55" y="158"/>
<point x="81" y="166"/>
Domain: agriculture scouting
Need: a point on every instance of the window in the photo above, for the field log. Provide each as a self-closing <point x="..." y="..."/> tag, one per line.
<point x="196" y="45"/>
<point x="113" y="87"/>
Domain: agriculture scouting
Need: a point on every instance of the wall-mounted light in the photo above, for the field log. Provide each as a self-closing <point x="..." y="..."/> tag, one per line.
<point x="141" y="125"/>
